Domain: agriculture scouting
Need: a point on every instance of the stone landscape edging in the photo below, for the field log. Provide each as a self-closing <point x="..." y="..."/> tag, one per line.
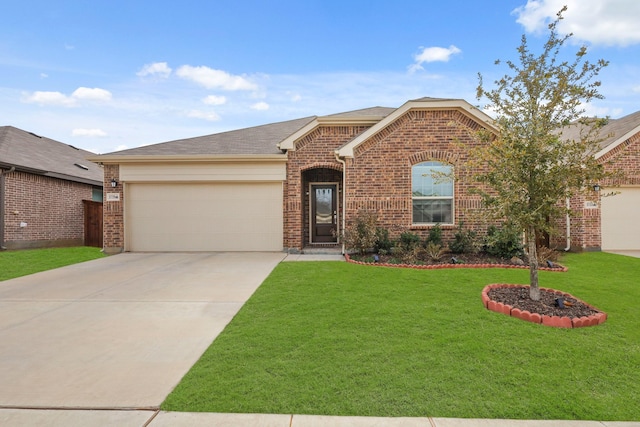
<point x="561" y="268"/>
<point x="554" y="321"/>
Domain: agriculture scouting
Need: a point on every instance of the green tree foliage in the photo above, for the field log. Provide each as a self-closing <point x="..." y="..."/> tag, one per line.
<point x="531" y="167"/>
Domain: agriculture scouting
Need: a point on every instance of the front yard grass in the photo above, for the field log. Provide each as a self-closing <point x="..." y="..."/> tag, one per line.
<point x="341" y="339"/>
<point x="23" y="262"/>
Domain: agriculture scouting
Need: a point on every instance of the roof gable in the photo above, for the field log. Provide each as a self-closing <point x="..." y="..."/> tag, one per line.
<point x="32" y="153"/>
<point x="423" y="103"/>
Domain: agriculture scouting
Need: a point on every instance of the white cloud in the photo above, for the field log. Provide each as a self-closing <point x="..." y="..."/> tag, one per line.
<point x="260" y="106"/>
<point x="215" y="100"/>
<point x="602" y="22"/>
<point x="89" y="132"/>
<point x="60" y="99"/>
<point x="49" y="98"/>
<point x="44" y="75"/>
<point x="206" y="115"/>
<point x="92" y="94"/>
<point x="215" y="79"/>
<point x="121" y="147"/>
<point x="160" y="69"/>
<point x="433" y="54"/>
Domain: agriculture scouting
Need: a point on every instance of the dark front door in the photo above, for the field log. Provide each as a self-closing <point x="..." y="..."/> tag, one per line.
<point x="324" y="213"/>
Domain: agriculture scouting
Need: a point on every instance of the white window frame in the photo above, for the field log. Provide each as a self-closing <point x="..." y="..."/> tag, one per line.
<point x="452" y="197"/>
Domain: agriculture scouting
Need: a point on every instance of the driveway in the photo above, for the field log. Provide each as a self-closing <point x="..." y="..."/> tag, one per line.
<point x="118" y="332"/>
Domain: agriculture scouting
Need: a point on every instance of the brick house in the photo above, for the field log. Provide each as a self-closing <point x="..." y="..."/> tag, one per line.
<point x="43" y="184"/>
<point x="297" y="184"/>
<point x="608" y="219"/>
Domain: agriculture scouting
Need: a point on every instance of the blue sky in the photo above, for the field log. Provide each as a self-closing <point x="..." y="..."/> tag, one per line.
<point x="105" y="76"/>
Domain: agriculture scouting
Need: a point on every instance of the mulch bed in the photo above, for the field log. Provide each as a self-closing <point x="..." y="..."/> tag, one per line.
<point x="519" y="298"/>
<point x="450" y="260"/>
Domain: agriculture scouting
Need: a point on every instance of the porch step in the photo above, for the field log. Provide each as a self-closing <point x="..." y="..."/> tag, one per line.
<point x="322" y="250"/>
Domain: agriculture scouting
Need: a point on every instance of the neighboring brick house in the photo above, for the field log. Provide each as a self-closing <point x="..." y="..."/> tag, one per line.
<point x="43" y="184"/>
<point x="607" y="219"/>
<point x="296" y="185"/>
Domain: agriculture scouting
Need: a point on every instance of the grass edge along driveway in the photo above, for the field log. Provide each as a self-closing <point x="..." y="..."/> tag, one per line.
<point x="334" y="338"/>
<point x="28" y="261"/>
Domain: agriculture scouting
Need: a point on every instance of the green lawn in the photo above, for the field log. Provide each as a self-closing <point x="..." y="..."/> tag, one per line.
<point x="23" y="262"/>
<point x="341" y="339"/>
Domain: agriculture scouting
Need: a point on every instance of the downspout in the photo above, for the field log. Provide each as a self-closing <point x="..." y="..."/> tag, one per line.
<point x="2" y="192"/>
<point x="568" y="227"/>
<point x="344" y="196"/>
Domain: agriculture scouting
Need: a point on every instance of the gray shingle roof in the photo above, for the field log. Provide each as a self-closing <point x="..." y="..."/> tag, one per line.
<point x="256" y="140"/>
<point x="611" y="132"/>
<point x="375" y="112"/>
<point x="32" y="153"/>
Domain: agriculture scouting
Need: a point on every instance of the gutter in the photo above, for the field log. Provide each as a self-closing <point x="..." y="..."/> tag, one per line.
<point x="2" y="201"/>
<point x="344" y="196"/>
<point x="568" y="227"/>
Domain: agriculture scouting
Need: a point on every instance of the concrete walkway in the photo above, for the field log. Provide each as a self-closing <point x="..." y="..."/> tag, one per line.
<point x="102" y="343"/>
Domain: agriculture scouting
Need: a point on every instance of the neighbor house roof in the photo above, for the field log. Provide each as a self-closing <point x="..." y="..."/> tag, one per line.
<point x="619" y="130"/>
<point x="614" y="133"/>
<point x="36" y="154"/>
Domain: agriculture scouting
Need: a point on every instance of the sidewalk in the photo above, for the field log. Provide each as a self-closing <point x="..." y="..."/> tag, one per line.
<point x="139" y="418"/>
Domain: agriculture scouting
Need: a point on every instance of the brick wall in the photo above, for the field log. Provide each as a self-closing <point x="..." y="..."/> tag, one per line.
<point x="313" y="160"/>
<point x="51" y="208"/>
<point x="378" y="178"/>
<point x="379" y="175"/>
<point x="113" y="225"/>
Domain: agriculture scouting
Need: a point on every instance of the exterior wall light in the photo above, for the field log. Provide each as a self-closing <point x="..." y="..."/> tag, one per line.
<point x="114" y="183"/>
<point x="596" y="187"/>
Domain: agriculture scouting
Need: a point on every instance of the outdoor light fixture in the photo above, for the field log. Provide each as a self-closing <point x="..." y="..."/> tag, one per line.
<point x="114" y="183"/>
<point x="596" y="187"/>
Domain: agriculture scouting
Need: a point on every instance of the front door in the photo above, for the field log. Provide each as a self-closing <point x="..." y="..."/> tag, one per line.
<point x="324" y="213"/>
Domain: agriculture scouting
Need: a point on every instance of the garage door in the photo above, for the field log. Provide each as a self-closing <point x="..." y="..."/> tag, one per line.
<point x="224" y="216"/>
<point x="620" y="220"/>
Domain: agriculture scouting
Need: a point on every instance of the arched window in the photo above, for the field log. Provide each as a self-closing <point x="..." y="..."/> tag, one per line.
<point x="432" y="193"/>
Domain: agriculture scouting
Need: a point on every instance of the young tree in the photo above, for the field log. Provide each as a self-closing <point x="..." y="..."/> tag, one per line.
<point x="530" y="166"/>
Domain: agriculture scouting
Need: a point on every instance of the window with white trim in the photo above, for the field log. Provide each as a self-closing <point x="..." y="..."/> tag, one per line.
<point x="432" y="193"/>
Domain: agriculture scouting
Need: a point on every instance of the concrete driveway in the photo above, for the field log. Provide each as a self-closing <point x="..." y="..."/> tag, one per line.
<point x="118" y="332"/>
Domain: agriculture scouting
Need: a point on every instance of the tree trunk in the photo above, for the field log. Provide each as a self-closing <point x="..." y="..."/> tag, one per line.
<point x="534" y="290"/>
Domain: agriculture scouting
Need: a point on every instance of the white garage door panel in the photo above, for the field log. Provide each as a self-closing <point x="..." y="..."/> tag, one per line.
<point x="204" y="217"/>
<point x="621" y="220"/>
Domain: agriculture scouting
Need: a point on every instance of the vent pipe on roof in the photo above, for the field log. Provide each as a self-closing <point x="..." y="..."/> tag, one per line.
<point x="2" y="191"/>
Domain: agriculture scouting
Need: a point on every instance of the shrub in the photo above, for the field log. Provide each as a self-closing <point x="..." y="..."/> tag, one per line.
<point x="383" y="243"/>
<point x="504" y="242"/>
<point x="361" y="235"/>
<point x="435" y="235"/>
<point x="435" y="251"/>
<point x="409" y="240"/>
<point x="464" y="241"/>
<point x="546" y="254"/>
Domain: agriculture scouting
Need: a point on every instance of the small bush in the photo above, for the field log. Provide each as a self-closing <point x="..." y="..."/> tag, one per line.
<point x="435" y="251"/>
<point x="435" y="235"/>
<point x="504" y="242"/>
<point x="361" y="236"/>
<point x="464" y="241"/>
<point x="409" y="240"/>
<point x="546" y="254"/>
<point x="383" y="243"/>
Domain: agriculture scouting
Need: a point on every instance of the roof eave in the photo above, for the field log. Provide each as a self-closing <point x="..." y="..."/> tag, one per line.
<point x="184" y="158"/>
<point x="617" y="142"/>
